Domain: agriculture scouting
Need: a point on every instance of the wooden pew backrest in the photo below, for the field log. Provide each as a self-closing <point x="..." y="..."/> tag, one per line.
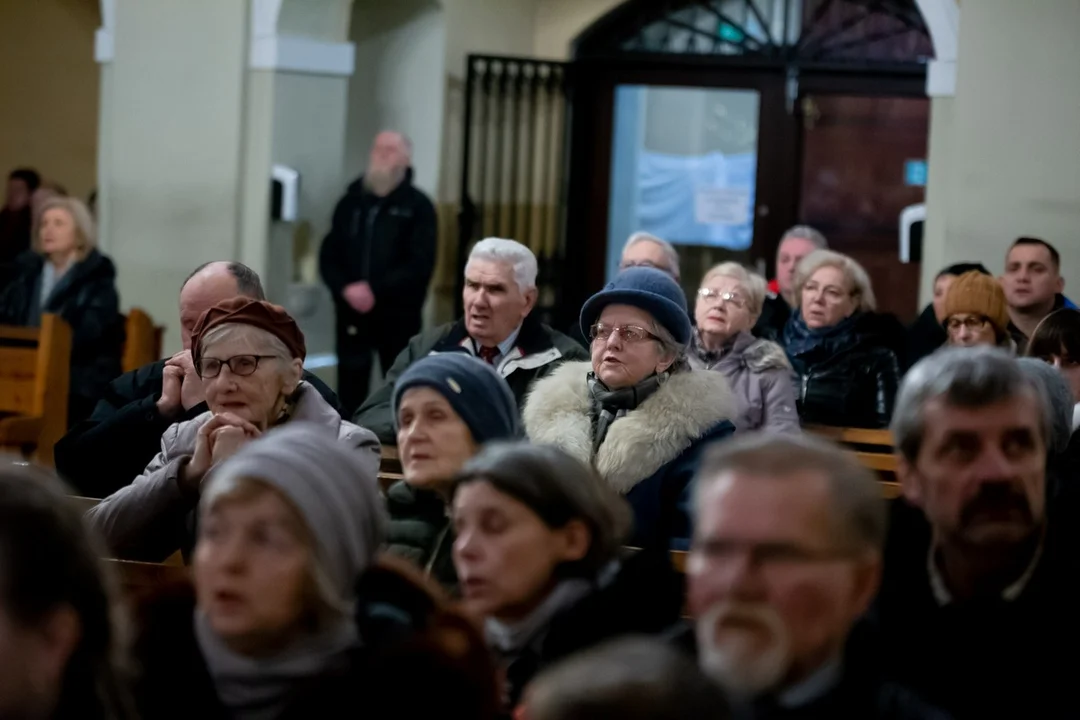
<point x="142" y="343"/>
<point x="34" y="379"/>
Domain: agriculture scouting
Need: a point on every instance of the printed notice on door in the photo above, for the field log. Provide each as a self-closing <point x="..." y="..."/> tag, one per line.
<point x="722" y="206"/>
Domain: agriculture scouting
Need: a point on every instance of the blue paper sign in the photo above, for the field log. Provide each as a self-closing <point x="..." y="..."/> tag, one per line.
<point x="915" y="173"/>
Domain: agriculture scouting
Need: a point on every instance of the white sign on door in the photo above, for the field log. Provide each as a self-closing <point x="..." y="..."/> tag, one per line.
<point x="721" y="206"/>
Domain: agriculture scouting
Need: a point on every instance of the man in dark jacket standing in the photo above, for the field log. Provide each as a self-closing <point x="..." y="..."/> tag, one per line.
<point x="109" y="450"/>
<point x="377" y="262"/>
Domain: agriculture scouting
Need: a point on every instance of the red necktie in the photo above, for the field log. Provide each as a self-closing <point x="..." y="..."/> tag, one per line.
<point x="488" y="354"/>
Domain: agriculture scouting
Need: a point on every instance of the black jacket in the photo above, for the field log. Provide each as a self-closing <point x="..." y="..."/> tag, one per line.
<point x="854" y="384"/>
<point x="107" y="451"/>
<point x="420" y="532"/>
<point x="862" y="692"/>
<point x="86" y="298"/>
<point x="980" y="658"/>
<point x="645" y="597"/>
<point x="774" y="316"/>
<point x="390" y="242"/>
<point x="925" y="335"/>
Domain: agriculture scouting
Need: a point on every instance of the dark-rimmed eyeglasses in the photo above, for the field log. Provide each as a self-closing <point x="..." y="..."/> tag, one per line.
<point x="972" y="322"/>
<point x="627" y="333"/>
<point x="242" y="365"/>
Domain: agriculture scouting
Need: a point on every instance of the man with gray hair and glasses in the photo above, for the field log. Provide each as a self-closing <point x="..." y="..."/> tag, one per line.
<point x="643" y="249"/>
<point x="499" y="328"/>
<point x="786" y="557"/>
<point x="977" y="604"/>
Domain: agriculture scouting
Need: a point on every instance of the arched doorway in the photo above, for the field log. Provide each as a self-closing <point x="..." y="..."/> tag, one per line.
<point x="719" y="123"/>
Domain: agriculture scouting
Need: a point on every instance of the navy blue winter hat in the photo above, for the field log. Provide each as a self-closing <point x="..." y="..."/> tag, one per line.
<point x="652" y="290"/>
<point x="478" y="394"/>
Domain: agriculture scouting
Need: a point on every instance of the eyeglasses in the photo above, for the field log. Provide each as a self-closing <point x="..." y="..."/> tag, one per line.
<point x="242" y="365"/>
<point x="727" y="298"/>
<point x="972" y="323"/>
<point x="627" y="333"/>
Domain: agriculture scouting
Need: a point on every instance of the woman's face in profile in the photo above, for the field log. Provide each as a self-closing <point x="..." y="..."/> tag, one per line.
<point x="251" y="569"/>
<point x="505" y="555"/>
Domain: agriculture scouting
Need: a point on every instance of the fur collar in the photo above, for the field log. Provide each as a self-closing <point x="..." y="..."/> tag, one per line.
<point x="683" y="409"/>
<point x="764" y="355"/>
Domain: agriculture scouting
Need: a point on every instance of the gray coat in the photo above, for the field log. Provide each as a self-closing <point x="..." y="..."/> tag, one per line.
<point x="759" y="375"/>
<point x="153" y="517"/>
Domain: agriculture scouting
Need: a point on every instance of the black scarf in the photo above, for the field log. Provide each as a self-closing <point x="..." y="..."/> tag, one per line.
<point x="610" y="405"/>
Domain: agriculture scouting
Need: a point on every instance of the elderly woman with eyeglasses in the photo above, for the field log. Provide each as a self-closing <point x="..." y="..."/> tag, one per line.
<point x="637" y="412"/>
<point x="728" y="304"/>
<point x="250" y="356"/>
<point x="846" y="369"/>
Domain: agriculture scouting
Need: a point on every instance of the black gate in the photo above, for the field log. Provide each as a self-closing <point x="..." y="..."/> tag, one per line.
<point x="514" y="163"/>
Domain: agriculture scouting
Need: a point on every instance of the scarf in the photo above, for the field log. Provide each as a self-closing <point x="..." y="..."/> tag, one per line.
<point x="610" y="405"/>
<point x="259" y="688"/>
<point x="800" y="340"/>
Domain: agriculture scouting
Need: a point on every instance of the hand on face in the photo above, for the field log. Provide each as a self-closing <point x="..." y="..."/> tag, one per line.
<point x="191" y="389"/>
<point x="168" y="404"/>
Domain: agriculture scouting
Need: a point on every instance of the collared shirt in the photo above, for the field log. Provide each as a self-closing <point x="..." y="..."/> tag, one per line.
<point x="504" y="347"/>
<point x="941" y="590"/>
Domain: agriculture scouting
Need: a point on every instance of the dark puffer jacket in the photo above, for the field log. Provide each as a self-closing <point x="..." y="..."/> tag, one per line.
<point x="420" y="532"/>
<point x="852" y="380"/>
<point x="86" y="298"/>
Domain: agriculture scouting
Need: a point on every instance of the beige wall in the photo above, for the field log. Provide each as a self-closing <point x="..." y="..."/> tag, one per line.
<point x="49" y="82"/>
<point x="1005" y="152"/>
<point x="172" y="159"/>
<point x="558" y="22"/>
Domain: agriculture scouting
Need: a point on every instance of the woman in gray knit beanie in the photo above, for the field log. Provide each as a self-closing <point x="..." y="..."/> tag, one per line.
<point x="286" y="527"/>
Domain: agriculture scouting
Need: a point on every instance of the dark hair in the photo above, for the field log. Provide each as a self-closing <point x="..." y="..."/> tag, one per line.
<point x="248" y="283"/>
<point x="49" y="560"/>
<point x="1055" y="256"/>
<point x="1057" y="334"/>
<point x="631" y="678"/>
<point x="557" y="488"/>
<point x="960" y="268"/>
<point x="30" y="177"/>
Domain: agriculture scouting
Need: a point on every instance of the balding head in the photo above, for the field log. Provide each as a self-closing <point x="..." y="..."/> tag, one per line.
<point x="211" y="284"/>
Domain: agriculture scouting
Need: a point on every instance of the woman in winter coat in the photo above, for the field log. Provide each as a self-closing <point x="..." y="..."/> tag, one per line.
<point x="249" y="355"/>
<point x="846" y="369"/>
<point x="445" y="407"/>
<point x="272" y="625"/>
<point x="65" y="275"/>
<point x="728" y="304"/>
<point x="540" y="559"/>
<point x="637" y="413"/>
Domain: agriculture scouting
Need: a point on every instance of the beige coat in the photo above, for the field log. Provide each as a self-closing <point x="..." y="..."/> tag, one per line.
<point x="153" y="517"/>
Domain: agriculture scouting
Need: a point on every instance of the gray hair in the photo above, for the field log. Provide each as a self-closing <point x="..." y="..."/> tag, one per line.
<point x="752" y="284"/>
<point x="519" y="257"/>
<point x="963" y="377"/>
<point x="805" y="232"/>
<point x="667" y="248"/>
<point x="859" y="513"/>
<point x="854" y="273"/>
<point x="81" y="217"/>
<point x="669" y="345"/>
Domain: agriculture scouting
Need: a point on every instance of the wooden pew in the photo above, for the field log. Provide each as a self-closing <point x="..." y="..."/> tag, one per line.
<point x="873" y="448"/>
<point x="34" y="376"/>
<point x="142" y="343"/>
<point x="391" y="461"/>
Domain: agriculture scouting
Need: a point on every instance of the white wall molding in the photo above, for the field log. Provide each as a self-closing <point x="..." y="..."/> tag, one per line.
<point x="104" y="38"/>
<point x="942" y="18"/>
<point x="304" y="55"/>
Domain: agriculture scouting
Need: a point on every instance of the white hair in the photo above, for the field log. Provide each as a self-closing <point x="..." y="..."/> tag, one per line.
<point x="511" y="252"/>
<point x="667" y="248"/>
<point x="806" y="232"/>
<point x="853" y="272"/>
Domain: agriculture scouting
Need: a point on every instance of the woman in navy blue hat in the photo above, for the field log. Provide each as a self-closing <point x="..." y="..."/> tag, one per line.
<point x="637" y="412"/>
<point x="446" y="406"/>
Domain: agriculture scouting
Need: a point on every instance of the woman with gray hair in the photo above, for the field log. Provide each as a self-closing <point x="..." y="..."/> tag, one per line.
<point x="637" y="413"/>
<point x="286" y="526"/>
<point x="64" y="274"/>
<point x="249" y="355"/>
<point x="845" y="367"/>
<point x="538" y="550"/>
<point x="728" y="304"/>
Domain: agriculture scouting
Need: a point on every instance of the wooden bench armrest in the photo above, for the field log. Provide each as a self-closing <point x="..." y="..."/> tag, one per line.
<point x="21" y="430"/>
